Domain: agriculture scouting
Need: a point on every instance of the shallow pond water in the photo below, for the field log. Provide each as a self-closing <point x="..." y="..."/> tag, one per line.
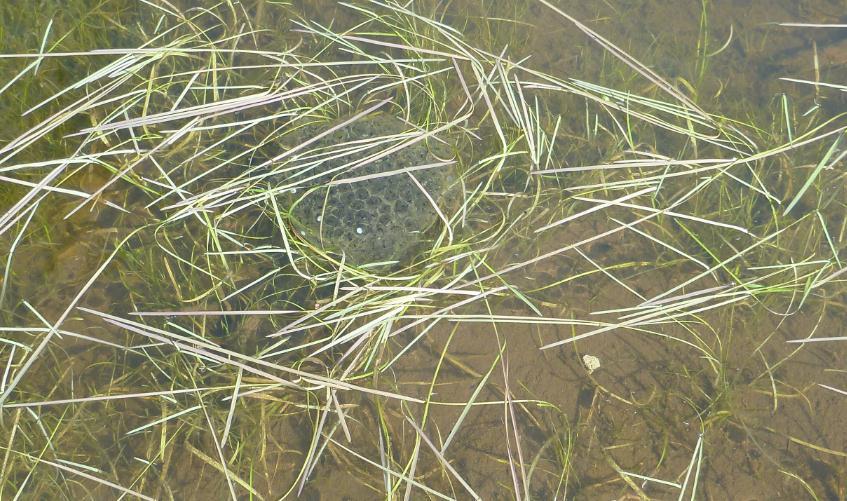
<point x="652" y="224"/>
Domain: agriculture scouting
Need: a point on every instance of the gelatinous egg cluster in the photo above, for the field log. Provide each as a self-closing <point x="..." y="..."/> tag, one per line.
<point x="373" y="218"/>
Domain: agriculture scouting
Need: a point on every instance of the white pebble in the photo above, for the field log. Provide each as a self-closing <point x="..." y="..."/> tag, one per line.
<point x="359" y="230"/>
<point x="591" y="362"/>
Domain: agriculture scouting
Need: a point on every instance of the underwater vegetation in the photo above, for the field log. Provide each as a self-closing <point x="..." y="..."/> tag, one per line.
<point x="448" y="250"/>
